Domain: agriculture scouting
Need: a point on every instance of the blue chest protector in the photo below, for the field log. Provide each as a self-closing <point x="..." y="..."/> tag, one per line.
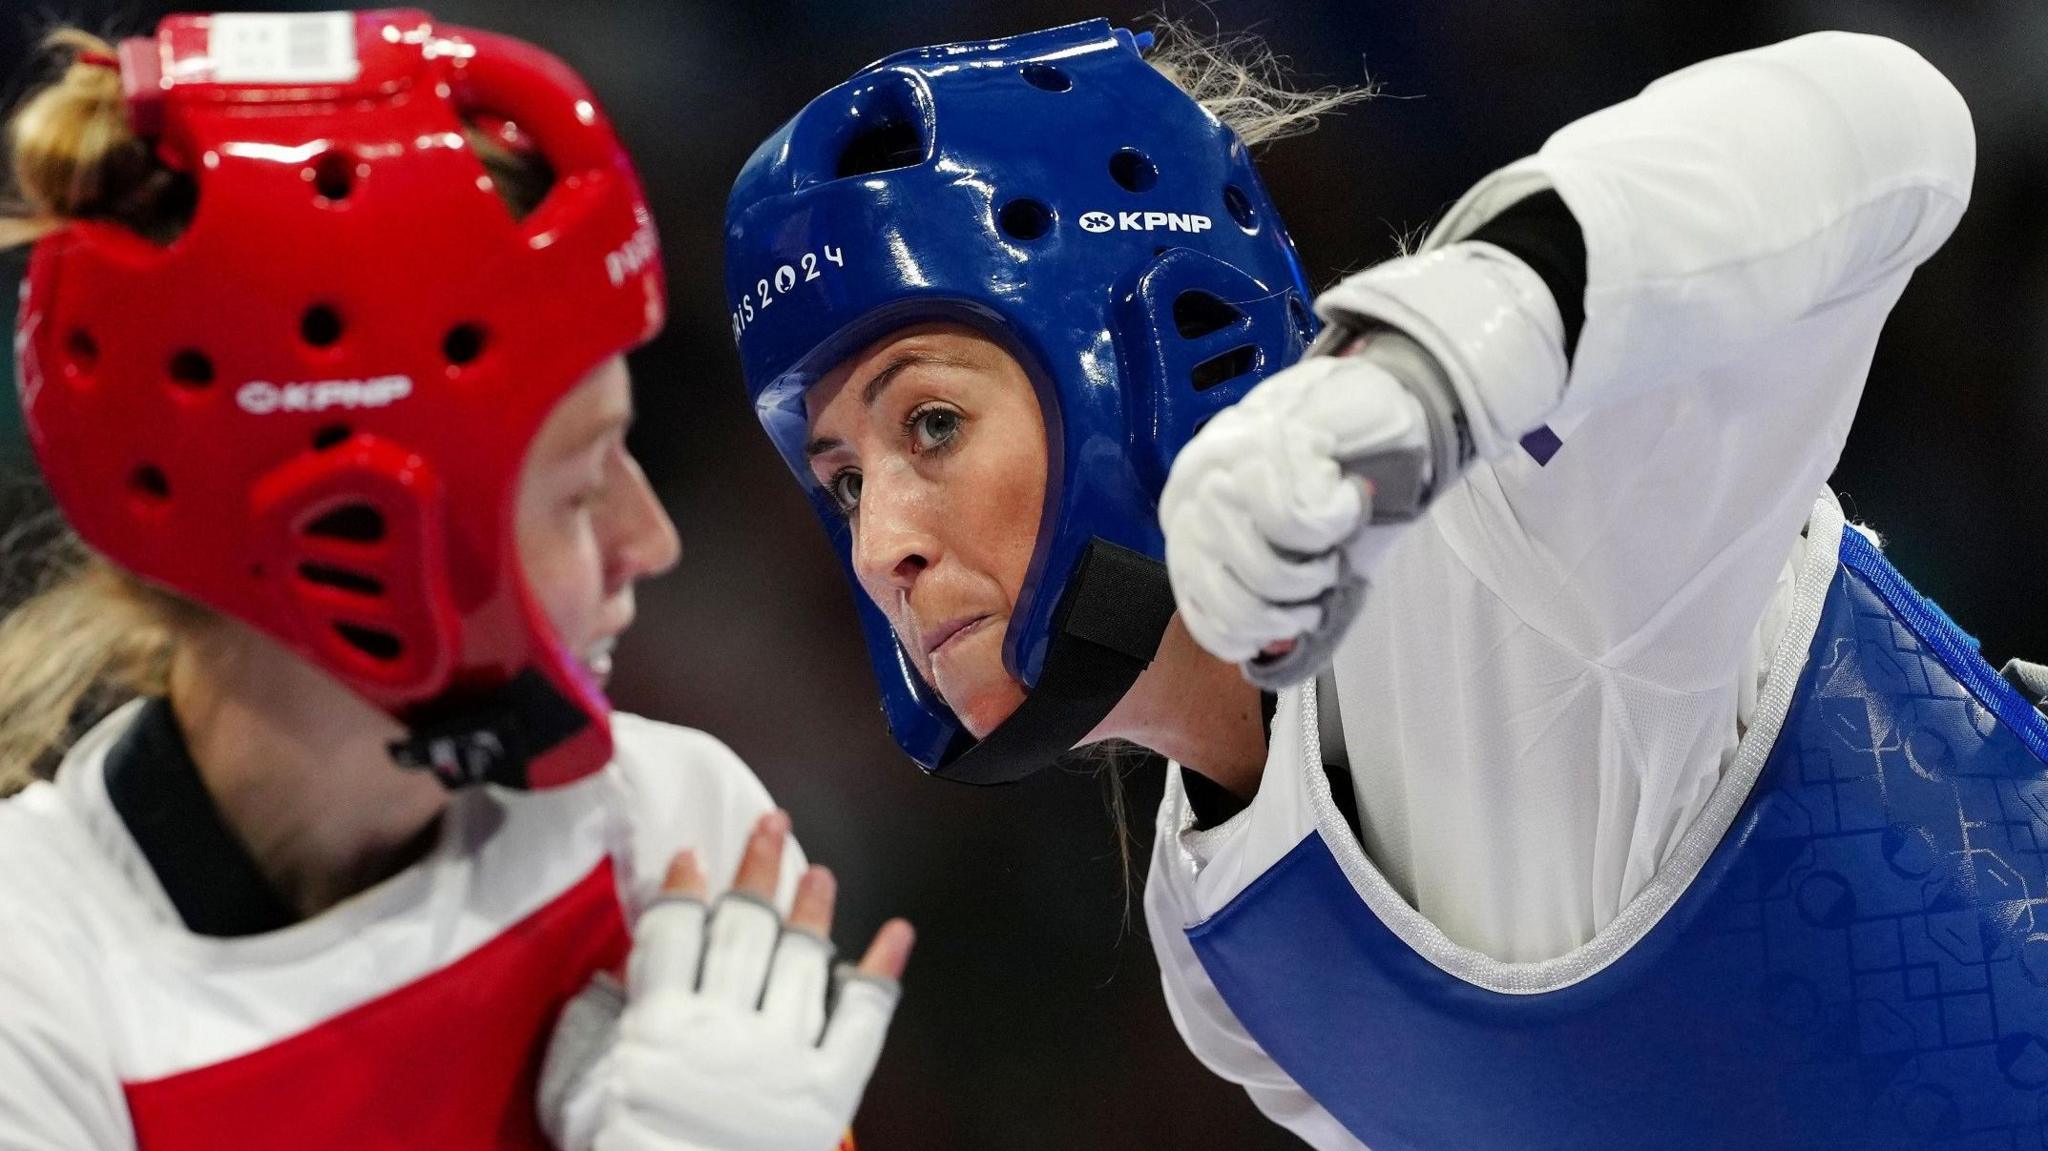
<point x="1861" y="963"/>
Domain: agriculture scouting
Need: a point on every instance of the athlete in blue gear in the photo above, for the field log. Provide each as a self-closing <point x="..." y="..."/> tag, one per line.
<point x="1612" y="791"/>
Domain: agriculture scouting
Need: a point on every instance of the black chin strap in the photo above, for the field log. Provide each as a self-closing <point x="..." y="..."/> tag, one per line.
<point x="490" y="736"/>
<point x="1104" y="635"/>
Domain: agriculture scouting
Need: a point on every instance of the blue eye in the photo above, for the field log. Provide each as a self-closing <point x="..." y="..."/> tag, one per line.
<point x="932" y="428"/>
<point x="844" y="488"/>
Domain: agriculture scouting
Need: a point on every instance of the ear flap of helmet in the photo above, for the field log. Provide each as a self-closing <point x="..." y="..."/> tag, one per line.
<point x="353" y="539"/>
<point x="1197" y="335"/>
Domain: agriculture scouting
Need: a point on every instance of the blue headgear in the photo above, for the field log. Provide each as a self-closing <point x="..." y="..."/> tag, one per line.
<point x="1060" y="195"/>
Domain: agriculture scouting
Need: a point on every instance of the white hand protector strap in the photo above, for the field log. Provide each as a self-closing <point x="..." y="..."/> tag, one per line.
<point x="1268" y="535"/>
<point x="743" y="1058"/>
<point x="1485" y="316"/>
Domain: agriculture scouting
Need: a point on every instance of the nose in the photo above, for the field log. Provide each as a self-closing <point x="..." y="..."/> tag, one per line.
<point x="895" y="538"/>
<point x="639" y="539"/>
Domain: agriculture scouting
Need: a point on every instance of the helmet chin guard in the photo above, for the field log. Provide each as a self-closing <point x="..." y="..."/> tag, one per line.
<point x="311" y="409"/>
<point x="1058" y="194"/>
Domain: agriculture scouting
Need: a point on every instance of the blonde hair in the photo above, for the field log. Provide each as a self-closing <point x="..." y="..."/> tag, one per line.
<point x="86" y="635"/>
<point x="1243" y="83"/>
<point x="74" y="157"/>
<point x="1111" y="762"/>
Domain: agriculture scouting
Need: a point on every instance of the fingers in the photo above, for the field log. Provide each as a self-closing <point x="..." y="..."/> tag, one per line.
<point x="1228" y="619"/>
<point x="761" y="863"/>
<point x="668" y="940"/>
<point x="742" y="941"/>
<point x="747" y="956"/>
<point x="860" y="1022"/>
<point x="745" y="925"/>
<point x="1292" y="663"/>
<point x="1260" y="515"/>
<point x="1254" y="527"/>
<point x="1297" y="496"/>
<point x="1235" y="537"/>
<point x="890" y="952"/>
<point x="815" y="894"/>
<point x="795" y="999"/>
<point x="685" y="877"/>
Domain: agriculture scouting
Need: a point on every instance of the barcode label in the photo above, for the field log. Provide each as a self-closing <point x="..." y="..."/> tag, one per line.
<point x="251" y="48"/>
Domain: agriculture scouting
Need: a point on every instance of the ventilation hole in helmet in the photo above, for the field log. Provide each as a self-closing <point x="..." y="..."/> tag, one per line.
<point x="320" y="326"/>
<point x="1224" y="368"/>
<point x="1047" y="77"/>
<point x="342" y="578"/>
<point x="331" y="436"/>
<point x="892" y="143"/>
<point x="1304" y="324"/>
<point x="463" y="343"/>
<point x="1133" y="170"/>
<point x="1240" y="207"/>
<point x="1025" y="219"/>
<point x="192" y="369"/>
<point x="1197" y="314"/>
<point x="355" y="523"/>
<point x="81" y="352"/>
<point x="333" y="175"/>
<point x="149" y="482"/>
<point x="378" y="644"/>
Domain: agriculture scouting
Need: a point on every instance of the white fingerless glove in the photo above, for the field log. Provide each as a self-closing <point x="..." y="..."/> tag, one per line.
<point x="742" y="1058"/>
<point x="1270" y="536"/>
<point x="1269" y="532"/>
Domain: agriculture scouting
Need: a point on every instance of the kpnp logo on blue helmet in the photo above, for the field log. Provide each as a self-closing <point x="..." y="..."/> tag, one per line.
<point x="1145" y="222"/>
<point x="1062" y="196"/>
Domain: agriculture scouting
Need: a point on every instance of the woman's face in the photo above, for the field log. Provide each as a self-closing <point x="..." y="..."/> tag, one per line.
<point x="589" y="526"/>
<point x="932" y="444"/>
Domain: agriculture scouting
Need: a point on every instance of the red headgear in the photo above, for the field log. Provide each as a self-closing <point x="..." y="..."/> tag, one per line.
<point x="310" y="410"/>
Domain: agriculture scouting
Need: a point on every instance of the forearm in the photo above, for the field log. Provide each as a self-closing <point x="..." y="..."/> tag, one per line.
<point x="1686" y="289"/>
<point x="1715" y="210"/>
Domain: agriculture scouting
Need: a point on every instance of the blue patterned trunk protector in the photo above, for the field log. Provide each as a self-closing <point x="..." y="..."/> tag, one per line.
<point x="1861" y="963"/>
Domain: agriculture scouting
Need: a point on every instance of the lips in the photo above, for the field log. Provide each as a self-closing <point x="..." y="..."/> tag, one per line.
<point x="949" y="631"/>
<point x="597" y="658"/>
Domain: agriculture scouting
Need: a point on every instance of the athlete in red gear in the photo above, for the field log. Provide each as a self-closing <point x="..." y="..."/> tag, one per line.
<point x="321" y="356"/>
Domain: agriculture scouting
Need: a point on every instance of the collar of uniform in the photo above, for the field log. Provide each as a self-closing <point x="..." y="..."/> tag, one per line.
<point x="205" y="871"/>
<point x="1212" y="805"/>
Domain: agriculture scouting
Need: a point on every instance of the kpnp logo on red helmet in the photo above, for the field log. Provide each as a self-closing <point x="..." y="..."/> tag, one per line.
<point x="310" y="389"/>
<point x="261" y="397"/>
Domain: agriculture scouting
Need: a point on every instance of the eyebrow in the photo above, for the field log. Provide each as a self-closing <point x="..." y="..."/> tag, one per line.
<point x="880" y="381"/>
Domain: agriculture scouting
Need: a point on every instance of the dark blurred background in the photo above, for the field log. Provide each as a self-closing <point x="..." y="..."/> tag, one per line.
<point x="1033" y="1017"/>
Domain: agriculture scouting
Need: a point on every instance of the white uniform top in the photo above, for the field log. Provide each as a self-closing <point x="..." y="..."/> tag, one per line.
<point x="1554" y="667"/>
<point x="106" y="998"/>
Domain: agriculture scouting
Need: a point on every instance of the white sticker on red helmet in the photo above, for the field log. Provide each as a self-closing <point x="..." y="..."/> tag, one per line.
<point x="266" y="48"/>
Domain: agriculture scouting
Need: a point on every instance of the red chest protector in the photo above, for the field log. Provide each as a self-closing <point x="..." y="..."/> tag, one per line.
<point x="448" y="1062"/>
